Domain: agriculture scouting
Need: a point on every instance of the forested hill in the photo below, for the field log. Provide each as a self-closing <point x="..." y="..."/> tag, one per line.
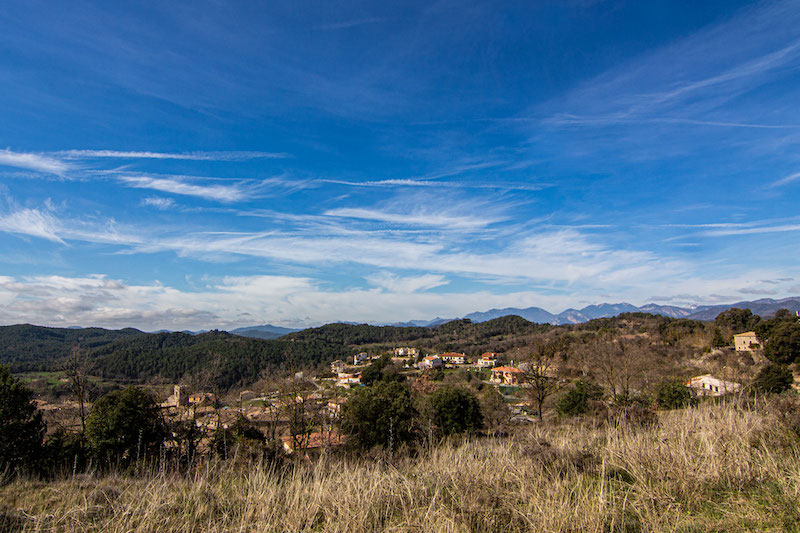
<point x="25" y="346"/>
<point x="132" y="355"/>
<point x="225" y="360"/>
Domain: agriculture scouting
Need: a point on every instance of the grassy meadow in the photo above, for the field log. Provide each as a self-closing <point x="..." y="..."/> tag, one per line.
<point x="717" y="467"/>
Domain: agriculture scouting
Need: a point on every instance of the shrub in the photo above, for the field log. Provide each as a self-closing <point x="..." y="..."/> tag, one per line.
<point x="674" y="395"/>
<point x="380" y="415"/>
<point x="21" y="426"/>
<point x="125" y="425"/>
<point x="456" y="410"/>
<point x="244" y="440"/>
<point x="774" y="379"/>
<point x="576" y="401"/>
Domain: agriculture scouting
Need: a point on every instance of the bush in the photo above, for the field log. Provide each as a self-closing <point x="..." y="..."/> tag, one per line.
<point x="782" y="342"/>
<point x="21" y="426"/>
<point x="456" y="410"/>
<point x="773" y="379"/>
<point x="244" y="440"/>
<point x="674" y="395"/>
<point x="125" y="426"/>
<point x="576" y="401"/>
<point x="380" y="415"/>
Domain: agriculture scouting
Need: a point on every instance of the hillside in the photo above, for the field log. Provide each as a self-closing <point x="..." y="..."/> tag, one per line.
<point x="230" y="360"/>
<point x="26" y="347"/>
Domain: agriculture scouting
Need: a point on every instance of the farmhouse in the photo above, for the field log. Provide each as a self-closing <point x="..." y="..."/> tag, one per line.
<point x="338" y="366"/>
<point x="406" y="352"/>
<point x="507" y="375"/>
<point x="708" y="385"/>
<point x="746" y="342"/>
<point x="453" y="358"/>
<point x="487" y="360"/>
<point x="358" y="358"/>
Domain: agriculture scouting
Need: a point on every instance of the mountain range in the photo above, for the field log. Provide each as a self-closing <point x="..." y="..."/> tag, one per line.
<point x="764" y="307"/>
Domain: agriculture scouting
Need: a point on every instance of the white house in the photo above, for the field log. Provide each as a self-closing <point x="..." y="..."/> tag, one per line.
<point x="708" y="385"/>
<point x="348" y="380"/>
<point x="453" y="358"/>
<point x="406" y="352"/>
<point x="487" y="360"/>
<point x="431" y="361"/>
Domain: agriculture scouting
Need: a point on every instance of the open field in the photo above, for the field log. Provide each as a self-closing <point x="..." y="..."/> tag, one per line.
<point x="727" y="467"/>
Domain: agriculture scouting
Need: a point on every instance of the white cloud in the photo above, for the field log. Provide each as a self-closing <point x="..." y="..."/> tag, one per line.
<point x="222" y="193"/>
<point x="788" y="179"/>
<point x="407" y="182"/>
<point x="416" y="217"/>
<point x="190" y="156"/>
<point x="31" y="222"/>
<point x="159" y="203"/>
<point x="37" y="162"/>
<point x="408" y="284"/>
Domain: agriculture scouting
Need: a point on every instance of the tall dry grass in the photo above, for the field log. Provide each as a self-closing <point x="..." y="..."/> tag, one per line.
<point x="712" y="468"/>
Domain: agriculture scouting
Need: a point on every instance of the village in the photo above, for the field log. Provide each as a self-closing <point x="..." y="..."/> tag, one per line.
<point x="315" y="402"/>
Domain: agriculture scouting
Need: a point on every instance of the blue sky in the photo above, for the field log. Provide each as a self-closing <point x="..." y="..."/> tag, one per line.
<point x="220" y="164"/>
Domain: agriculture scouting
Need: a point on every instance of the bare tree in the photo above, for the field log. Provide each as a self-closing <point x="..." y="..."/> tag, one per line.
<point x="617" y="363"/>
<point x="540" y="377"/>
<point x="75" y="369"/>
<point x="301" y="410"/>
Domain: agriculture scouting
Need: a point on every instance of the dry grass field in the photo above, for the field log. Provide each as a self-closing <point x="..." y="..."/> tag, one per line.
<point x="731" y="467"/>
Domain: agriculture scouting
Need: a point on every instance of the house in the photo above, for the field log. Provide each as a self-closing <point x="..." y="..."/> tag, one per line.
<point x="708" y="385"/>
<point x="431" y="361"/>
<point x="487" y="360"/>
<point x="406" y="352"/>
<point x="338" y="366"/>
<point x="335" y="406"/>
<point x="746" y="342"/>
<point x="202" y="398"/>
<point x="453" y="358"/>
<point x="507" y="375"/>
<point x="313" y="441"/>
<point x="358" y="358"/>
<point x="343" y="379"/>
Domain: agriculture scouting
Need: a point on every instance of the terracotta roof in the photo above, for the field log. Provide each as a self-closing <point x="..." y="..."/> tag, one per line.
<point x="432" y="357"/>
<point x="508" y="369"/>
<point x="451" y="354"/>
<point x="746" y="334"/>
<point x="489" y="355"/>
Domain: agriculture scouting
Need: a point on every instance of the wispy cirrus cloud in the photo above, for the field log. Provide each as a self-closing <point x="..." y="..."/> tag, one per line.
<point x="416" y="217"/>
<point x="347" y="24"/>
<point x="410" y="182"/>
<point x="158" y="202"/>
<point x="36" y="162"/>
<point x="406" y="284"/>
<point x="187" y="156"/>
<point x="788" y="179"/>
<point x="221" y="193"/>
<point x="31" y="222"/>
